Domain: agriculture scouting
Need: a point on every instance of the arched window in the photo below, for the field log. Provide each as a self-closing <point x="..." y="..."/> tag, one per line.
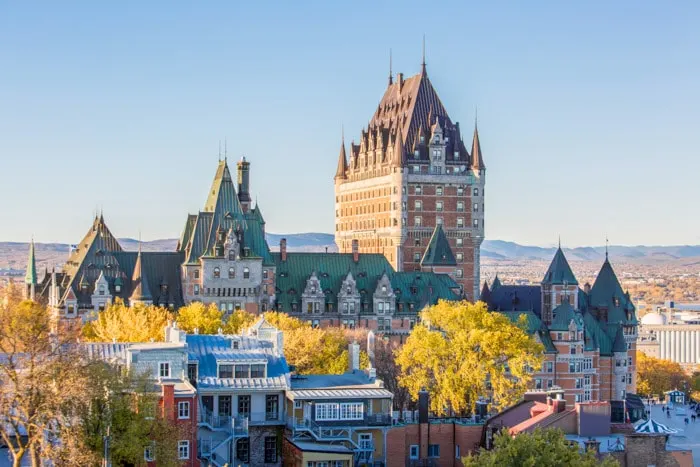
<point x="246" y="273"/>
<point x="217" y="272"/>
<point x="231" y="273"/>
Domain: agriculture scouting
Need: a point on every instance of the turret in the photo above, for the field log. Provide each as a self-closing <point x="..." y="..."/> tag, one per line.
<point x="342" y="163"/>
<point x="477" y="158"/>
<point x="140" y="292"/>
<point x="244" y="184"/>
<point x="30" y="277"/>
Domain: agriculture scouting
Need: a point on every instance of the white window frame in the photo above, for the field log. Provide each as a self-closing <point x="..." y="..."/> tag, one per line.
<point x="183" y="446"/>
<point x="183" y="410"/>
<point x="148" y="454"/>
<point x="161" y="367"/>
<point x="297" y="404"/>
<point x="413" y="451"/>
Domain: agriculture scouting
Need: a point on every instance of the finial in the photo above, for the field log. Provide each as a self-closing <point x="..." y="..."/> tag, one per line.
<point x="423" y="64"/>
<point x="606" y="248"/>
<point x="476" y="116"/>
<point x="139" y="242"/>
<point x="391" y="78"/>
<point x="225" y="149"/>
<point x="342" y="133"/>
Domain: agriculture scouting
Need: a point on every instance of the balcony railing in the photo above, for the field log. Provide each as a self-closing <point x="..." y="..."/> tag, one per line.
<point x="237" y="426"/>
<point x="378" y="419"/>
<point x="266" y="418"/>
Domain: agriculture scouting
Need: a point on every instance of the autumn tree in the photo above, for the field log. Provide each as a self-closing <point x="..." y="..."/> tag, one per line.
<point x="121" y="323"/>
<point x="239" y="321"/>
<point x="205" y="319"/>
<point x="656" y="376"/>
<point x="541" y="448"/>
<point x="389" y="371"/>
<point x="461" y="351"/>
<point x="42" y="383"/>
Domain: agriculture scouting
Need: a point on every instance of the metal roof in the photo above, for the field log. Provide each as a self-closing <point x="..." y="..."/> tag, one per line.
<point x="360" y="393"/>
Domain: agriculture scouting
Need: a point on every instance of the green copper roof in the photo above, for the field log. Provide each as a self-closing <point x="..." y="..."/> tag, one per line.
<point x="30" y="277"/>
<point x="438" y="252"/>
<point x="607" y="293"/>
<point x="595" y="336"/>
<point x="563" y="314"/>
<point x="534" y="326"/>
<point x="496" y="283"/>
<point x="559" y="271"/>
<point x="619" y="344"/>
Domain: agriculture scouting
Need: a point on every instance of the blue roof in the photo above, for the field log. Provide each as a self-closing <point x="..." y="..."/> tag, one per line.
<point x="210" y="350"/>
<point x="516" y="298"/>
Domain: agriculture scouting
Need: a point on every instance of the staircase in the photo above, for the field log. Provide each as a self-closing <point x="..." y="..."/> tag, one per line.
<point x="363" y="452"/>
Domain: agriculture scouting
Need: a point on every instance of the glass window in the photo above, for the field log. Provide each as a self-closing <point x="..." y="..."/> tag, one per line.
<point x="460" y="206"/>
<point x="419" y="205"/>
<point x="460" y="191"/>
<point x="413" y="451"/>
<point x="438" y="191"/>
<point x="438" y="206"/>
<point x="192" y="373"/>
<point x="460" y="273"/>
<point x="217" y="272"/>
<point x="183" y="410"/>
<point x="265" y="274"/>
<point x="244" y="406"/>
<point x="257" y="371"/>
<point x="476" y="192"/>
<point x="196" y="289"/>
<point x="460" y="256"/>
<point x="459" y="241"/>
<point x="418" y="190"/>
<point x="417" y="221"/>
<point x="271" y="449"/>
<point x="460" y="222"/>
<point x="231" y="273"/>
<point x="183" y="449"/>
<point x="225" y="406"/>
<point x="476" y="207"/>
<point x="434" y="450"/>
<point x="164" y="369"/>
<point x="226" y="371"/>
<point x="416" y="257"/>
<point x="242" y="371"/>
<point x="243" y="450"/>
<point x="438" y="220"/>
<point x="476" y="222"/>
<point x="196" y="274"/>
<point x="271" y="407"/>
<point x="148" y="454"/>
<point x="246" y="273"/>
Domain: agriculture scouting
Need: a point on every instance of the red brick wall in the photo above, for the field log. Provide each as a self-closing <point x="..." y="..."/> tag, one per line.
<point x="446" y="435"/>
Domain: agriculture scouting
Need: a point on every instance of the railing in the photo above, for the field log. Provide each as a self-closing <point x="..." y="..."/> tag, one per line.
<point x="378" y="419"/>
<point x="237" y="426"/>
<point x="266" y="418"/>
<point x="325" y="433"/>
<point x="204" y="447"/>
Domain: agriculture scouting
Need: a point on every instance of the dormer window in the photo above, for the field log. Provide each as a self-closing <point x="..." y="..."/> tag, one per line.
<point x="416" y="154"/>
<point x="231" y="255"/>
<point x="456" y="155"/>
<point x="164" y="288"/>
<point x="102" y="290"/>
<point x="117" y="288"/>
<point x="384" y="288"/>
<point x="422" y="139"/>
<point x="217" y="272"/>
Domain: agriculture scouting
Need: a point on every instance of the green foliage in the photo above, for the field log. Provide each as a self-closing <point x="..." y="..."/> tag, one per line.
<point x="458" y="347"/>
<point x="541" y="448"/>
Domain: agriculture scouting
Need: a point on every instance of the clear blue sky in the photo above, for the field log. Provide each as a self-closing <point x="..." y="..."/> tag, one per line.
<point x="589" y="112"/>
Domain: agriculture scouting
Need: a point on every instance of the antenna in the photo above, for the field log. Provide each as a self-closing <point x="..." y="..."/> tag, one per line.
<point x="391" y="79"/>
<point x="423" y="64"/>
<point x="225" y="149"/>
<point x="606" y="248"/>
<point x="219" y="150"/>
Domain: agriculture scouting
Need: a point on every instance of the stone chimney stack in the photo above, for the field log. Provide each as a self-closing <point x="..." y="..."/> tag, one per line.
<point x="283" y="249"/>
<point x="354" y="356"/>
<point x="244" y="184"/>
<point x="370" y="347"/>
<point x="355" y="250"/>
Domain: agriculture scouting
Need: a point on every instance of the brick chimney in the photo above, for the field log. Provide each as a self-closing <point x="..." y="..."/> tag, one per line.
<point x="283" y="249"/>
<point x="168" y="400"/>
<point x="355" y="250"/>
<point x="423" y="423"/>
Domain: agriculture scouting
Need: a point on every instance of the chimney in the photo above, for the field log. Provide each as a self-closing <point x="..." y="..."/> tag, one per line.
<point x="283" y="249"/>
<point x="243" y="184"/>
<point x="354" y="356"/>
<point x="370" y="347"/>
<point x="168" y="400"/>
<point x="399" y="78"/>
<point x="355" y="250"/>
<point x="278" y="342"/>
<point x="423" y="406"/>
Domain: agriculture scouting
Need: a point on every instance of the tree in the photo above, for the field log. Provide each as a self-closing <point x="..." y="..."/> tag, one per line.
<point x="461" y="351"/>
<point x="239" y="321"/>
<point x="389" y="371"/>
<point x="656" y="376"/>
<point x="206" y="319"/>
<point x="120" y="323"/>
<point x="43" y="382"/>
<point x="541" y="448"/>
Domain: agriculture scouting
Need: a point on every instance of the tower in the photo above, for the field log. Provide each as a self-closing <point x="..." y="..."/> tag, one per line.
<point x="409" y="172"/>
<point x="559" y="285"/>
<point x="244" y="184"/>
<point x="30" y="281"/>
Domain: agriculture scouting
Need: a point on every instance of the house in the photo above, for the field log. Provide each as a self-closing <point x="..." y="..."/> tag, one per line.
<point x="241" y="382"/>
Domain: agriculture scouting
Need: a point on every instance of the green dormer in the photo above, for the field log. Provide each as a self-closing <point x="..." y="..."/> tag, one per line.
<point x="438" y="252"/>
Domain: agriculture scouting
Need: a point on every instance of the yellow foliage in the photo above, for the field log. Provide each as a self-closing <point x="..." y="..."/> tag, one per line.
<point x="656" y="376"/>
<point x="458" y="347"/>
<point x="206" y="319"/>
<point x="239" y="321"/>
<point x="120" y="323"/>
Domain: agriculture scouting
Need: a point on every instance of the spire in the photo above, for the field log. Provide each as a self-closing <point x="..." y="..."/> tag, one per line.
<point x="397" y="160"/>
<point x="496" y="282"/>
<point x="485" y="295"/>
<point x="391" y="77"/>
<point x="342" y="160"/>
<point x="477" y="158"/>
<point x="30" y="277"/>
<point x="559" y="271"/>
<point x="140" y="291"/>
<point x="606" y="248"/>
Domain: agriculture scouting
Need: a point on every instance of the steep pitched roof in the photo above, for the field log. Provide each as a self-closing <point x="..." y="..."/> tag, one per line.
<point x="534" y="326"/>
<point x="607" y="293"/>
<point x="342" y="162"/>
<point x="516" y="298"/>
<point x="563" y="315"/>
<point x="559" y="271"/>
<point x="30" y="277"/>
<point x="496" y="283"/>
<point x="477" y="158"/>
<point x="140" y="290"/>
<point x="485" y="295"/>
<point x="159" y="268"/>
<point x="438" y="252"/>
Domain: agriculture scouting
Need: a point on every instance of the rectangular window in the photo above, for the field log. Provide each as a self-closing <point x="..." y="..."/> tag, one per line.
<point x="476" y="222"/>
<point x="476" y="207"/>
<point x="242" y="371"/>
<point x="270" y="449"/>
<point x="438" y="220"/>
<point x="196" y="289"/>
<point x="418" y="190"/>
<point x="438" y="191"/>
<point x="183" y="410"/>
<point x="257" y="371"/>
<point x="164" y="369"/>
<point x="226" y="371"/>
<point x="460" y="206"/>
<point x="413" y="451"/>
<point x="460" y="256"/>
<point x="538" y="383"/>
<point x="460" y="222"/>
<point x="587" y="380"/>
<point x="183" y="449"/>
<point x="550" y="383"/>
<point x="419" y="205"/>
<point x="225" y="406"/>
<point x="476" y="192"/>
<point x="550" y="367"/>
<point x="434" y="450"/>
<point x="460" y="273"/>
<point x="438" y="206"/>
<point x="572" y="350"/>
<point x="579" y="383"/>
<point x="271" y="407"/>
<point x="460" y="190"/>
<point x="192" y="373"/>
<point x="417" y="221"/>
<point x="416" y="169"/>
<point x="148" y="454"/>
<point x="244" y="406"/>
<point x="459" y="242"/>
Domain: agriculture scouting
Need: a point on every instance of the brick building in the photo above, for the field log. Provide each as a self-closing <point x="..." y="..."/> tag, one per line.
<point x="589" y="334"/>
<point x="410" y="173"/>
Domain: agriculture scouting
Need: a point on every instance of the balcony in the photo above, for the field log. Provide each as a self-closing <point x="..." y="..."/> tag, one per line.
<point x="378" y="419"/>
<point x="265" y="418"/>
<point x="236" y="426"/>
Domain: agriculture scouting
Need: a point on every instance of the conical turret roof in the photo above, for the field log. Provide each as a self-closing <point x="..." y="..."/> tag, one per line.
<point x="477" y="158"/>
<point x="140" y="291"/>
<point x="559" y="271"/>
<point x="342" y="162"/>
<point x="30" y="277"/>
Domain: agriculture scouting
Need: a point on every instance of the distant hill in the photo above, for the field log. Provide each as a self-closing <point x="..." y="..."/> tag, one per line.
<point x="13" y="255"/>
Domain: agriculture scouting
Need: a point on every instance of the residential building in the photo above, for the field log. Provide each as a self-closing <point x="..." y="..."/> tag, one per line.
<point x="589" y="334"/>
<point x="409" y="173"/>
<point x="338" y="420"/>
<point x="166" y="364"/>
<point x="241" y="382"/>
